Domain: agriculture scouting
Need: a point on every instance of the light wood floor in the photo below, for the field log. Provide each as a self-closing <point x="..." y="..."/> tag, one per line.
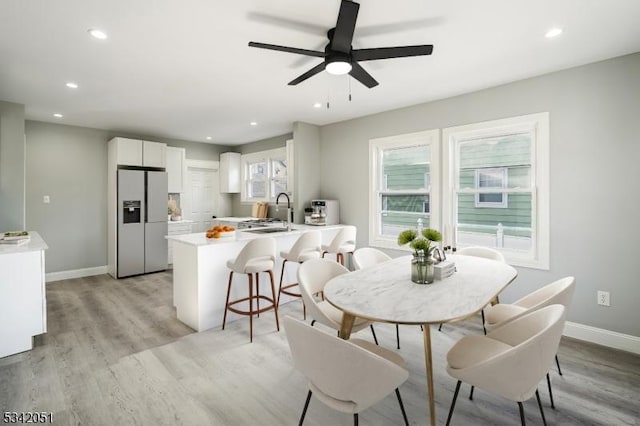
<point x="115" y="354"/>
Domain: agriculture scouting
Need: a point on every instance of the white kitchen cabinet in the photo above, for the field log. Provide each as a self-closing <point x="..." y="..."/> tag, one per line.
<point x="175" y="169"/>
<point x="230" y="172"/>
<point x="177" y="228"/>
<point x="134" y="152"/>
<point x="23" y="302"/>
<point x="128" y="151"/>
<point x="154" y="154"/>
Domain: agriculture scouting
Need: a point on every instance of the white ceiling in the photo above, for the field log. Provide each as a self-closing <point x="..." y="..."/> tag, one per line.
<point x="182" y="69"/>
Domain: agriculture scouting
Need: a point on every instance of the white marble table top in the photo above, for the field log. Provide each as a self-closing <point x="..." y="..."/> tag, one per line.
<point x="386" y="293"/>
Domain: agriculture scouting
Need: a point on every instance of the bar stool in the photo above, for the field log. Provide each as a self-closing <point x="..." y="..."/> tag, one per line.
<point x="257" y="256"/>
<point x="343" y="243"/>
<point x="306" y="247"/>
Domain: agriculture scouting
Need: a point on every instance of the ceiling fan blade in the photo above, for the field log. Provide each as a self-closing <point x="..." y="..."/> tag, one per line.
<point x="313" y="71"/>
<point x="362" y="76"/>
<point x="345" y="26"/>
<point x="287" y="49"/>
<point x="391" y="52"/>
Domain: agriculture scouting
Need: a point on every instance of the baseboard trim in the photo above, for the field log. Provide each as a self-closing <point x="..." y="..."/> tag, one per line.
<point x="600" y="336"/>
<point x="75" y="273"/>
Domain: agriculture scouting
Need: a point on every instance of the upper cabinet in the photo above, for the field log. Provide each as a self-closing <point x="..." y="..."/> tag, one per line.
<point x="134" y="152"/>
<point x="128" y="151"/>
<point x="154" y="154"/>
<point x="175" y="169"/>
<point x="230" y="172"/>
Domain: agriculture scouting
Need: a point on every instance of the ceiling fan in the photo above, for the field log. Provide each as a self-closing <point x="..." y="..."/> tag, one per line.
<point x="339" y="57"/>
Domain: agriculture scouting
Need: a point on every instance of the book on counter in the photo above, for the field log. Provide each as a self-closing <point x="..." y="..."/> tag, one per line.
<point x="15" y="237"/>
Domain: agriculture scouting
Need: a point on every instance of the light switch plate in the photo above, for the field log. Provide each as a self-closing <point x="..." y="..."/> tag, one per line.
<point x="46" y="199"/>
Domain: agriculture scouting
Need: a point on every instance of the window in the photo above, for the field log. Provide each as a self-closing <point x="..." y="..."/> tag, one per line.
<point x="401" y="180"/>
<point x="264" y="175"/>
<point x="495" y="188"/>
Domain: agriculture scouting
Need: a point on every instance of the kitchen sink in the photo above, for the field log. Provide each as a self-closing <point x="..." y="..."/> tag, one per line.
<point x="268" y="230"/>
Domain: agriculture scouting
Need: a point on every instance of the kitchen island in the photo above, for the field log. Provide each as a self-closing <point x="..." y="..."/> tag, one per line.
<point x="200" y="273"/>
<point x="23" y="303"/>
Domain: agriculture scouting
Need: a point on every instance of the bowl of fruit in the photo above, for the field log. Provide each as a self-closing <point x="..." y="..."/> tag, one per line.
<point x="221" y="232"/>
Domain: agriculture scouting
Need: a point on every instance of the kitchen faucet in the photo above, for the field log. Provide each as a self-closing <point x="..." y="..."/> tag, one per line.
<point x="289" y="210"/>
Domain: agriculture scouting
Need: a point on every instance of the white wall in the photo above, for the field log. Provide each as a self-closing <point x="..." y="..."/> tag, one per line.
<point x="594" y="175"/>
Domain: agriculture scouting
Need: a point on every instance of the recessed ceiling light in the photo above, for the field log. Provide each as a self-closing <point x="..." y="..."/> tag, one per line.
<point x="72" y="85"/>
<point x="554" y="32"/>
<point x="97" y="34"/>
<point x="317" y="105"/>
<point x="208" y="138"/>
<point x="253" y="123"/>
<point x="56" y="115"/>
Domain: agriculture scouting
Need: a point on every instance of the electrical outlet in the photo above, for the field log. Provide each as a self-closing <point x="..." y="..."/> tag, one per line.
<point x="603" y="298"/>
<point x="46" y="199"/>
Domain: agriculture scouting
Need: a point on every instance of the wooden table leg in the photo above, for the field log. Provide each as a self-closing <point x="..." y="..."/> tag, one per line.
<point x="347" y="325"/>
<point x="426" y="332"/>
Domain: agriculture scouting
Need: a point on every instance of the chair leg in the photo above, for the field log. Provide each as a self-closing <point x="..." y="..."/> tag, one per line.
<point x="550" y="393"/>
<point x="273" y="294"/>
<point x="544" y="421"/>
<point x="558" y="364"/>
<point x="398" y="335"/>
<point x="453" y="403"/>
<point x="355" y="419"/>
<point x="440" y="327"/>
<point x="281" y="275"/>
<point x="375" y="339"/>
<point x="483" y="327"/>
<point x="226" y="305"/>
<point x="521" y="413"/>
<point x="404" y="414"/>
<point x="250" y="307"/>
<point x="313" y="322"/>
<point x="258" y="292"/>
<point x="471" y="393"/>
<point x="304" y="410"/>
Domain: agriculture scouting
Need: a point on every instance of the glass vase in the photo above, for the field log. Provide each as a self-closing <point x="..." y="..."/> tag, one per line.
<point x="422" y="270"/>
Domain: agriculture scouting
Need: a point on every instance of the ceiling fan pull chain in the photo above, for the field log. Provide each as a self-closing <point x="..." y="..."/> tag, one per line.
<point x="349" y="78"/>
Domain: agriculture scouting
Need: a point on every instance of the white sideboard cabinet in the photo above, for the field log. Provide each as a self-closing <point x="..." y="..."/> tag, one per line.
<point x="230" y="172"/>
<point x="23" y="299"/>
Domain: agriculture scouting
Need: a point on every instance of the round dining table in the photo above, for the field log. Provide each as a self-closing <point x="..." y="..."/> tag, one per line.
<point x="385" y="293"/>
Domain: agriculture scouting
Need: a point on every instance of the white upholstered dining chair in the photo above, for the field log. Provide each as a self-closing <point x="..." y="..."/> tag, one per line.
<point x="366" y="257"/>
<point x="346" y="375"/>
<point x="312" y="277"/>
<point x="558" y="292"/>
<point x="511" y="360"/>
<point x="486" y="253"/>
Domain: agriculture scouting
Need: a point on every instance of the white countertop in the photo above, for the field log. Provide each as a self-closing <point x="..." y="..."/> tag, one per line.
<point x="232" y="219"/>
<point x="200" y="238"/>
<point x="180" y="221"/>
<point x="35" y="244"/>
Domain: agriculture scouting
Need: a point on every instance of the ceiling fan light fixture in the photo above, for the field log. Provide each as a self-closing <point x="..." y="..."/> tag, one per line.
<point x="338" y="67"/>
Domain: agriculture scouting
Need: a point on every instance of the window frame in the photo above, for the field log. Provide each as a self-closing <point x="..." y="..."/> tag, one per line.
<point x="376" y="177"/>
<point x="267" y="157"/>
<point x="538" y="124"/>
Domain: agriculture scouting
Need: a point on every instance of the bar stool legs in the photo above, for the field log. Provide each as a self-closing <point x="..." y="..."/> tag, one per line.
<point x="285" y="289"/>
<point x="229" y="305"/>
